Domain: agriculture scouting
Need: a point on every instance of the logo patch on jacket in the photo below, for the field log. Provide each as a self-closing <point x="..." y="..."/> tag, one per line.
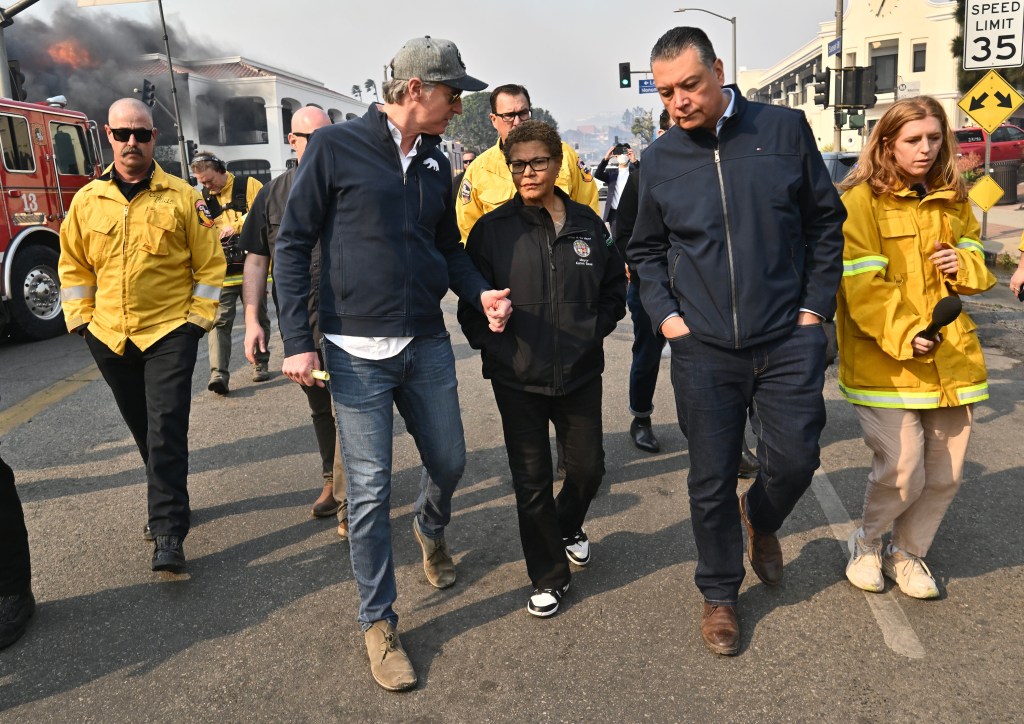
<point x="587" y="178"/>
<point x="465" y="191"/>
<point x="205" y="217"/>
<point x="431" y="163"/>
<point x="581" y="248"/>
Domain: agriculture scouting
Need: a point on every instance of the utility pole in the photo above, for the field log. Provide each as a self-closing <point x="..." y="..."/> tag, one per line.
<point x="837" y="143"/>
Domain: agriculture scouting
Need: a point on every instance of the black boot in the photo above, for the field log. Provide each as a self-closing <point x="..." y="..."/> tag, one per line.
<point x="643" y="435"/>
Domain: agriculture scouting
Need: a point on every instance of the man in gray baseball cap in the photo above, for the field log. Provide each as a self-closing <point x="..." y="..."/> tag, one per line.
<point x="433" y="60"/>
<point x="377" y="193"/>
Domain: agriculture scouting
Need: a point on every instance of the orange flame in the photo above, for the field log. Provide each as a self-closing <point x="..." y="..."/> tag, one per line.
<point x="69" y="52"/>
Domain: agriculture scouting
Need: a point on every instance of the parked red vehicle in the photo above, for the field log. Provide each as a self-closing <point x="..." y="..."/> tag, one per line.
<point x="1007" y="142"/>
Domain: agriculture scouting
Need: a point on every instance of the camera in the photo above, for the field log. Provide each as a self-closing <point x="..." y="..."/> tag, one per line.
<point x="620" y="148"/>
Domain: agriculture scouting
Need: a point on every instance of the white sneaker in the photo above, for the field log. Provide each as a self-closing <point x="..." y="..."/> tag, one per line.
<point x="910" y="573"/>
<point x="577" y="548"/>
<point x="544" y="601"/>
<point x="865" y="567"/>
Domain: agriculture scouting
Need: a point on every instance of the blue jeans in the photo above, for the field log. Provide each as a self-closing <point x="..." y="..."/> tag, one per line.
<point x="647" y="346"/>
<point x="780" y="384"/>
<point x="420" y="382"/>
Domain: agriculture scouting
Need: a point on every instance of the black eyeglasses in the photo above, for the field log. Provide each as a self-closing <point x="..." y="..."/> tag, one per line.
<point x="523" y="115"/>
<point x="302" y="135"/>
<point x="142" y="135"/>
<point x="537" y="164"/>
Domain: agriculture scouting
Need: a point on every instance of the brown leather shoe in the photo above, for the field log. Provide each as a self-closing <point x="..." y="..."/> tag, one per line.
<point x="326" y="506"/>
<point x="763" y="549"/>
<point x="343" y="521"/>
<point x="720" y="629"/>
<point x="389" y="664"/>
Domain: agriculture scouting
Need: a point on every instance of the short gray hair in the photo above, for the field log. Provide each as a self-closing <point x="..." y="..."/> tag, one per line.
<point x="677" y="40"/>
<point x="396" y="89"/>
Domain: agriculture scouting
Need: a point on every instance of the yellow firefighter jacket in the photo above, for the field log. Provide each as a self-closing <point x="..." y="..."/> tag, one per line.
<point x="234" y="218"/>
<point x="138" y="270"/>
<point x="488" y="184"/>
<point x="889" y="289"/>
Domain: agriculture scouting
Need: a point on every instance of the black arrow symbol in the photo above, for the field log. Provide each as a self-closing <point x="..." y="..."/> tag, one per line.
<point x="978" y="102"/>
<point x="1004" y="101"/>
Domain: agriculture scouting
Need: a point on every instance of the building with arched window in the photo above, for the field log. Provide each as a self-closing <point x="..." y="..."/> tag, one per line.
<point x="241" y="110"/>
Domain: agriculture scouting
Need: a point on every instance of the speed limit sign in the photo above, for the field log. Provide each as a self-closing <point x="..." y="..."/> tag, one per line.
<point x="993" y="34"/>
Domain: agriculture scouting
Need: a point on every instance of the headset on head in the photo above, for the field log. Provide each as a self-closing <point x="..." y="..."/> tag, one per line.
<point x="218" y="165"/>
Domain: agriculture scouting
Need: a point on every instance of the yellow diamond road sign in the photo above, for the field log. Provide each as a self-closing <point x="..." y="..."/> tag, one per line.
<point x="991" y="101"/>
<point x="986" y="193"/>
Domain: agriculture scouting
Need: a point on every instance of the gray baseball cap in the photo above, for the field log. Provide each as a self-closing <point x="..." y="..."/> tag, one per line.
<point x="434" y="60"/>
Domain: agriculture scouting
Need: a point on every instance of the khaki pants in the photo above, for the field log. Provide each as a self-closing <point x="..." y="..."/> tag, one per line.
<point x="915" y="473"/>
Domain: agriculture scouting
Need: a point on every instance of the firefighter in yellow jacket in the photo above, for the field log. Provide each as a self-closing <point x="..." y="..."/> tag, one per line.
<point x="911" y="239"/>
<point x="229" y="204"/>
<point x="141" y="273"/>
<point x="487" y="184"/>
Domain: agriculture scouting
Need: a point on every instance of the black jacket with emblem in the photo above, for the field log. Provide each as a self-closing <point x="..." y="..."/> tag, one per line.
<point x="568" y="292"/>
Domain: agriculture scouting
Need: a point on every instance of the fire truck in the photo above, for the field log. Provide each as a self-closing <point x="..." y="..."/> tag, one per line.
<point x="49" y="153"/>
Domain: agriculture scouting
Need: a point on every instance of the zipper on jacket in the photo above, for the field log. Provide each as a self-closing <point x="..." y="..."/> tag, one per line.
<point x="728" y="247"/>
<point x="396" y="149"/>
<point x="552" y="302"/>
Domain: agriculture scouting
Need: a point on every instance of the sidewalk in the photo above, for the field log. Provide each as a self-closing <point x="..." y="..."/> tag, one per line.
<point x="1005" y="225"/>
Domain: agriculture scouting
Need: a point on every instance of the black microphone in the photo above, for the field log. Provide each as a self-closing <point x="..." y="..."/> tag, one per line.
<point x="946" y="310"/>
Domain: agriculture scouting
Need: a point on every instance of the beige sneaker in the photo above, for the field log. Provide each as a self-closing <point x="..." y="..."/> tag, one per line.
<point x="865" y="567"/>
<point x="260" y="372"/>
<point x="389" y="663"/>
<point x="343" y="521"/>
<point x="437" y="561"/>
<point x="910" y="573"/>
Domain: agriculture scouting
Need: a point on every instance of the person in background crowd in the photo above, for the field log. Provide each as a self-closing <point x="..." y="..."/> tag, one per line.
<point x="546" y="366"/>
<point x="467" y="158"/>
<point x="229" y="205"/>
<point x="17" y="604"/>
<point x="488" y="184"/>
<point x="911" y="240"/>
<point x="259" y="236"/>
<point x="615" y="178"/>
<point x="385" y="339"/>
<point x="141" y="273"/>
<point x="739" y="255"/>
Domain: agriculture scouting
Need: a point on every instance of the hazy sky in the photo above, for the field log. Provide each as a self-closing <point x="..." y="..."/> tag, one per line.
<point x="565" y="51"/>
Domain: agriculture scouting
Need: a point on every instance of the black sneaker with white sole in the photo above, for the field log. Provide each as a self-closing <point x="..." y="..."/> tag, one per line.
<point x="577" y="548"/>
<point x="544" y="601"/>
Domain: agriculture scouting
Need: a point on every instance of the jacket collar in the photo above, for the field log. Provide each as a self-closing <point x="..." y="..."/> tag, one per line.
<point x="158" y="180"/>
<point x="538" y="216"/>
<point x="907" y="193"/>
<point x="378" y="120"/>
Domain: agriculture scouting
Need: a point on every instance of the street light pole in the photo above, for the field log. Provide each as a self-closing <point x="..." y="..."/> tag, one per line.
<point x="735" y="69"/>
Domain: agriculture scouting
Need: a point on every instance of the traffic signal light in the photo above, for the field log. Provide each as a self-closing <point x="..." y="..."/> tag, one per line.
<point x="857" y="120"/>
<point x="148" y="93"/>
<point x="625" y="79"/>
<point x="17" y="80"/>
<point x="822" y="88"/>
<point x="859" y="87"/>
<point x="190" y="151"/>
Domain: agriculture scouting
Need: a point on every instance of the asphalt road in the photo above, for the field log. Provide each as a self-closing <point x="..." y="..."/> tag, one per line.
<point x="263" y="627"/>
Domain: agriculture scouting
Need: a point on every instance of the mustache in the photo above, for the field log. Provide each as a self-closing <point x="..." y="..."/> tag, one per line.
<point x="130" y="151"/>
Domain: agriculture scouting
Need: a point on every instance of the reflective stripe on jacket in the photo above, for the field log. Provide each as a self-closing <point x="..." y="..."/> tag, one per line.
<point x="137" y="270"/>
<point x="889" y="289"/>
<point x="488" y="184"/>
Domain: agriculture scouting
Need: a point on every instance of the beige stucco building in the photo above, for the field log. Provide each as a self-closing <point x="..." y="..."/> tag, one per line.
<point x="907" y="42"/>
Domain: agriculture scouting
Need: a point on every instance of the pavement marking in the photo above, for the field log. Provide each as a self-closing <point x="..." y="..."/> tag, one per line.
<point x="32" y="405"/>
<point x="896" y="630"/>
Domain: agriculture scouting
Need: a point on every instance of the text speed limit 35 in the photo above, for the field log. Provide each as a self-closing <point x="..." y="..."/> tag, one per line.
<point x="993" y="34"/>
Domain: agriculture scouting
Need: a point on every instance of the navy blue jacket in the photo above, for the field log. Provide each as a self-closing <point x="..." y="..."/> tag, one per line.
<point x="389" y="241"/>
<point x="738" y="232"/>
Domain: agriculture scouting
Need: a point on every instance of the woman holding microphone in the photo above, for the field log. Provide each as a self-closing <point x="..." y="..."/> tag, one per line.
<point x="911" y="240"/>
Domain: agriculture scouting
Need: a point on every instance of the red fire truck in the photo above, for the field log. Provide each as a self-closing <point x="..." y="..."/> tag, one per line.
<point x="48" y="154"/>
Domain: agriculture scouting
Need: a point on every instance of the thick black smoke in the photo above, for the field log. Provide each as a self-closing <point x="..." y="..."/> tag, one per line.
<point x="93" y="58"/>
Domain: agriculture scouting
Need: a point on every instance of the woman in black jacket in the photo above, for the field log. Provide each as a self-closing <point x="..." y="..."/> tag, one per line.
<point x="568" y="283"/>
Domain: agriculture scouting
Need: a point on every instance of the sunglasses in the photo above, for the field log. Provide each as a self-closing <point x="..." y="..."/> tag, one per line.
<point x="454" y="97"/>
<point x="302" y="135"/>
<point x="142" y="135"/>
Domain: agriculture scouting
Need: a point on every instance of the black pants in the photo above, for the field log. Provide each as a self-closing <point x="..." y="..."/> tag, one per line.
<point x="153" y="390"/>
<point x="321" y="409"/>
<point x="545" y="520"/>
<point x="15" y="567"/>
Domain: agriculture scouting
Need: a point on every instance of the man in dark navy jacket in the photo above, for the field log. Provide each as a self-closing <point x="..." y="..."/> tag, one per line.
<point x="738" y="244"/>
<point x="376" y="192"/>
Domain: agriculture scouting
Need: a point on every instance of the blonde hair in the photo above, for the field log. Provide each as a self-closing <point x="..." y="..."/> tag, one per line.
<point x="877" y="165"/>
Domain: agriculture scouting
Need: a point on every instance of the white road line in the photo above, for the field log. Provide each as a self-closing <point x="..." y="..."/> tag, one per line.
<point x="896" y="629"/>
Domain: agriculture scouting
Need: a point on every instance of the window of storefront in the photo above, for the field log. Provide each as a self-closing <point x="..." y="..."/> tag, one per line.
<point x="919" y="57"/>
